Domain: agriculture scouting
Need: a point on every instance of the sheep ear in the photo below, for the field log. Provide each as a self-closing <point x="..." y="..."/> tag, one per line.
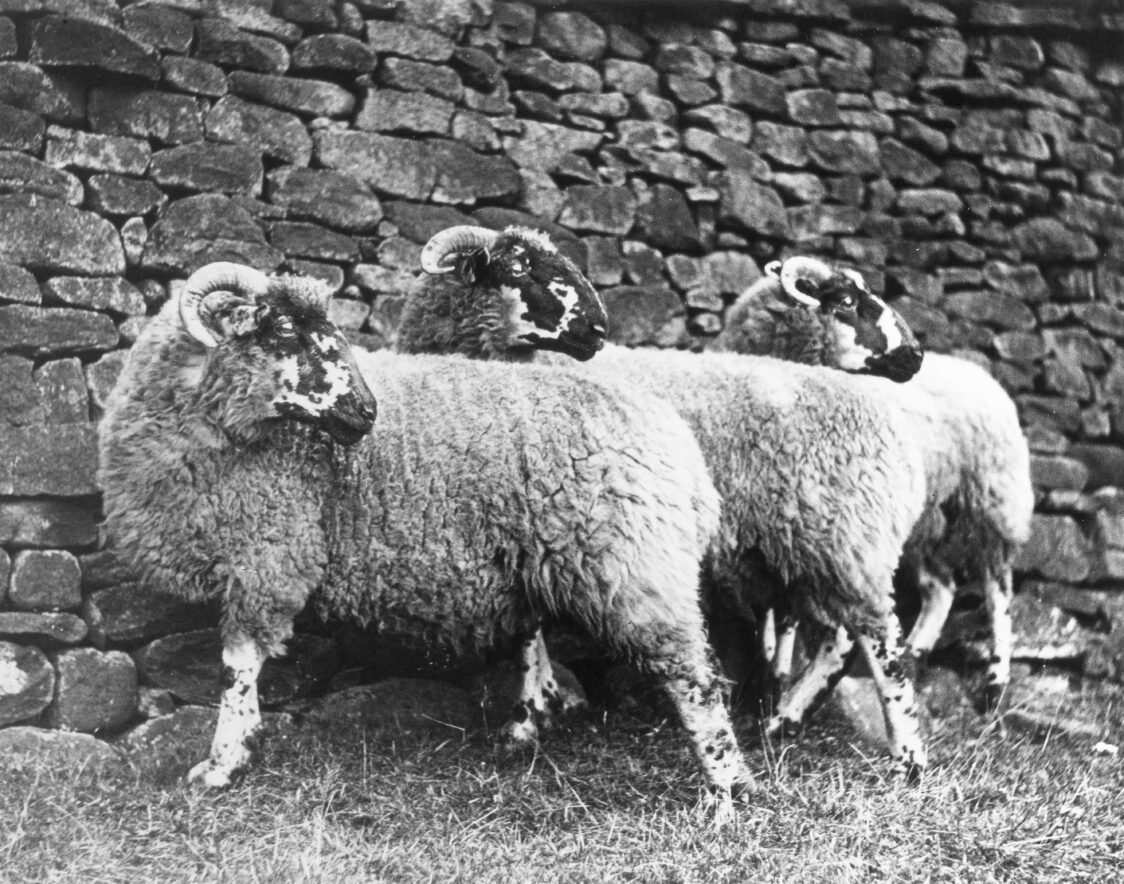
<point x="228" y="316"/>
<point x="470" y="265"/>
<point x="773" y="269"/>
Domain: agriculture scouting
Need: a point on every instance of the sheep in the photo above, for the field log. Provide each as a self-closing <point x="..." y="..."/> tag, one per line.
<point x="819" y="488"/>
<point x="240" y="459"/>
<point x="979" y="496"/>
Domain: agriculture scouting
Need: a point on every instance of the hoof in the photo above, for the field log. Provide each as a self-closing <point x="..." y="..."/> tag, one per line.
<point x="207" y="775"/>
<point x="778" y="726"/>
<point x="993" y="698"/>
<point x="519" y="734"/>
<point x="909" y="772"/>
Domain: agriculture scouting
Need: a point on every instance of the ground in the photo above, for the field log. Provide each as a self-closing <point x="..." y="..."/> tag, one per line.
<point x="613" y="796"/>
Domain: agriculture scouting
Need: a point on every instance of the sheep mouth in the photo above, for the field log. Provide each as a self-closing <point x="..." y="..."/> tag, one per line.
<point x="581" y="349"/>
<point x="899" y="365"/>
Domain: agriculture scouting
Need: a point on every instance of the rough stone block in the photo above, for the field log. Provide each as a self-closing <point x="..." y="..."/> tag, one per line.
<point x="788" y="145"/>
<point x="45" y="580"/>
<point x="21" y="129"/>
<point x="161" y="116"/>
<point x="47" y="523"/>
<point x="75" y="42"/>
<point x="744" y="87"/>
<point x="640" y="314"/>
<point x="130" y="612"/>
<point x="1047" y="240"/>
<point x="20" y="173"/>
<point x="752" y="206"/>
<point x="48" y="331"/>
<point x="421" y="76"/>
<point x="331" y="198"/>
<point x="96" y="691"/>
<point x="159" y="26"/>
<point x="276" y="133"/>
<point x="19" y="399"/>
<point x="193" y="75"/>
<point x="630" y="77"/>
<point x="120" y="195"/>
<point x="465" y="176"/>
<point x="45" y="629"/>
<point x="27" y="87"/>
<point x="664" y="220"/>
<point x="477" y="69"/>
<point x="1104" y="462"/>
<point x="222" y="43"/>
<point x="209" y="168"/>
<point x="515" y="23"/>
<point x="1057" y="549"/>
<point x="333" y="52"/>
<point x="572" y="36"/>
<point x="103" y="569"/>
<point x="289" y="93"/>
<point x="199" y="229"/>
<point x="60" y="752"/>
<point x="397" y="38"/>
<point x="599" y="209"/>
<point x="1058" y="472"/>
<point x="28" y="683"/>
<point x="391" y="110"/>
<point x="543" y="145"/>
<point x="96" y="153"/>
<point x="101" y="376"/>
<point x="62" y="392"/>
<point x="304" y="240"/>
<point x="111" y="294"/>
<point x="395" y="166"/>
<point x="847" y="152"/>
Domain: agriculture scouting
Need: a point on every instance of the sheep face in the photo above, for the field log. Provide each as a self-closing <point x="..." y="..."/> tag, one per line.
<point x="871" y="336"/>
<point x="545" y="302"/>
<point x="294" y="365"/>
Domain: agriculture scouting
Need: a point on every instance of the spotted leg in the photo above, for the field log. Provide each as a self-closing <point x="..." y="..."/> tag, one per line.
<point x="822" y="673"/>
<point x="891" y="666"/>
<point x="239" y="715"/>
<point x="540" y="694"/>
<point x="937" y="593"/>
<point x="781" y="669"/>
<point x="997" y="595"/>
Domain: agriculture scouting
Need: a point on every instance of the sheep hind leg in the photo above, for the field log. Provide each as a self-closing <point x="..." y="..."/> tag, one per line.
<point x="540" y="694"/>
<point x="823" y="672"/>
<point x="997" y="595"/>
<point x="780" y="668"/>
<point x="239" y="715"/>
<point x="937" y="594"/>
<point x="891" y="666"/>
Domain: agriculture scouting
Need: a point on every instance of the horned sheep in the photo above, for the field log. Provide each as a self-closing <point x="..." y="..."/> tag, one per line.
<point x="979" y="496"/>
<point x="818" y="483"/>
<point x="241" y="459"/>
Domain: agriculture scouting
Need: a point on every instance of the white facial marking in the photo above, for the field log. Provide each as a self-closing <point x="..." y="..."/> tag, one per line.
<point x="888" y="325"/>
<point x="535" y="238"/>
<point x="336" y="375"/>
<point x="852" y="357"/>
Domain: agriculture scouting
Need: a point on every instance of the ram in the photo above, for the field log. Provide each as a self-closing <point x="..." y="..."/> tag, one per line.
<point x="818" y="481"/>
<point x="241" y="460"/>
<point x="978" y="493"/>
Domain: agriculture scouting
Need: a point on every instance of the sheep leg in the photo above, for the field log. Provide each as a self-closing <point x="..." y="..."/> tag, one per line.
<point x="997" y="594"/>
<point x="780" y="670"/>
<point x="821" y="675"/>
<point x="937" y="593"/>
<point x="239" y="715"/>
<point x="891" y="666"/>
<point x="540" y="694"/>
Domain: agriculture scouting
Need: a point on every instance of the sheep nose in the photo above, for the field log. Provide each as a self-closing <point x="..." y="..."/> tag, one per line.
<point x="599" y="330"/>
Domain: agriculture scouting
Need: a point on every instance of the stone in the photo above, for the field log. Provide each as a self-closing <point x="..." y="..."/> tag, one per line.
<point x="1048" y="240"/>
<point x="989" y="307"/>
<point x="1104" y="462"/>
<point x="291" y="94"/>
<point x="610" y="105"/>
<point x="275" y="133"/>
<point x="20" y="129"/>
<point x="74" y="42"/>
<point x="664" y="220"/>
<point x="47" y="629"/>
<point x="119" y="195"/>
<point x="224" y="44"/>
<point x="1057" y="549"/>
<point x="111" y="294"/>
<point x="419" y="76"/>
<point x="333" y="52"/>
<point x="168" y="733"/>
<point x="1043" y="631"/>
<point x="847" y="152"/>
<point x="726" y="153"/>
<point x="334" y="199"/>
<point x="391" y="110"/>
<point x="572" y="36"/>
<point x="813" y="107"/>
<point x="728" y="122"/>
<point x="19" y="396"/>
<point x="744" y="87"/>
<point x="208" y="167"/>
<point x="95" y="691"/>
<point x="643" y="265"/>
<point x="397" y="38"/>
<point x="1058" y="472"/>
<point x="193" y="75"/>
<point x="159" y="26"/>
<point x="62" y="390"/>
<point x="543" y="145"/>
<point x="477" y="69"/>
<point x="1100" y="317"/>
<point x="305" y="240"/>
<point x="45" y="580"/>
<point x="640" y="313"/>
<point x="27" y="684"/>
<point x="48" y="331"/>
<point x="200" y="229"/>
<point x="23" y="174"/>
<point x="929" y="201"/>
<point x="164" y="117"/>
<point x="101" y="377"/>
<point x="630" y="77"/>
<point x="27" y="87"/>
<point x="465" y="176"/>
<point x="44" y="522"/>
<point x="154" y="703"/>
<point x="96" y="153"/>
<point x="131" y="612"/>
<point x="348" y="314"/>
<point x="903" y="163"/>
<point x="1019" y="346"/>
<point x="400" y="705"/>
<point x="788" y="145"/>
<point x="419" y="222"/>
<point x="599" y="209"/>
<point x="395" y="166"/>
<point x="751" y="206"/>
<point x="62" y="752"/>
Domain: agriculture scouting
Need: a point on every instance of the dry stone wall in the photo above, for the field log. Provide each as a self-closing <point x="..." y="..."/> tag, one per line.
<point x="966" y="156"/>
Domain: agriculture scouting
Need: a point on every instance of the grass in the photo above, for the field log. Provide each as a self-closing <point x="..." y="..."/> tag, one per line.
<point x="613" y="797"/>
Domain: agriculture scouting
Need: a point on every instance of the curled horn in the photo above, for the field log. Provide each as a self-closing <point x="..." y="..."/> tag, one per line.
<point x="773" y="269"/>
<point x="803" y="267"/>
<point x="450" y="240"/>
<point x="219" y="276"/>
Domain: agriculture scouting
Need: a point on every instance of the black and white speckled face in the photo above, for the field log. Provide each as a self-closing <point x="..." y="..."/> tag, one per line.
<point x="549" y="303"/>
<point x="315" y="376"/>
<point x="872" y="337"/>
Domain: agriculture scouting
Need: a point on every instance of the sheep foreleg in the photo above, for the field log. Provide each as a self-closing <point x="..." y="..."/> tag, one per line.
<point x="825" y="669"/>
<point x="540" y="694"/>
<point x="239" y="715"/>
<point x="937" y="594"/>
<point x="997" y="594"/>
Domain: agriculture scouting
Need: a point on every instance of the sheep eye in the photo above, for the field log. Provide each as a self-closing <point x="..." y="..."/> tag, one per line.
<point x="285" y="329"/>
<point x="518" y="268"/>
<point x="847" y="304"/>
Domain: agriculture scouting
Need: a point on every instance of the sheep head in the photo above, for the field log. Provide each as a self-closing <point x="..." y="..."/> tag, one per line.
<point x="537" y="297"/>
<point x="274" y="336"/>
<point x="872" y="337"/>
